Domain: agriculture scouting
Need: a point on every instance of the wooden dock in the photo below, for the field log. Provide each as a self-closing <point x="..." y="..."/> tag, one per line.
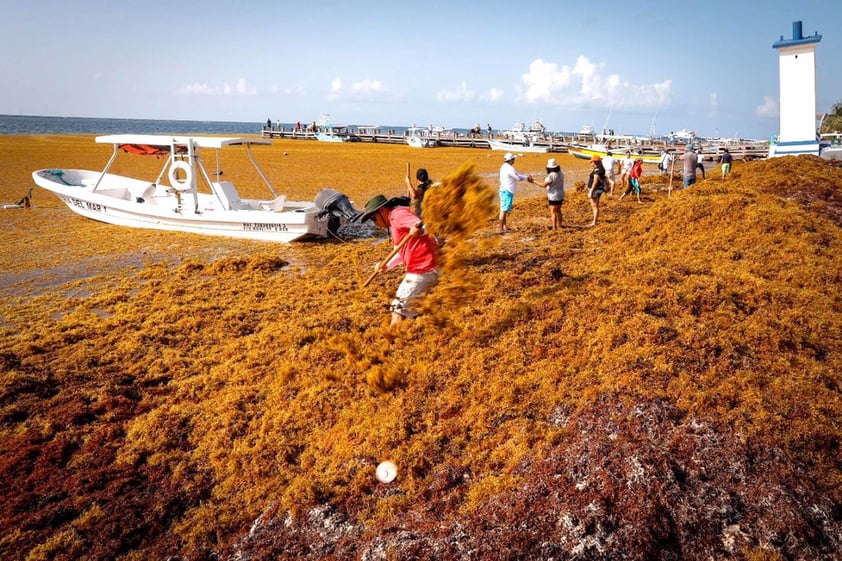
<point x="554" y="143"/>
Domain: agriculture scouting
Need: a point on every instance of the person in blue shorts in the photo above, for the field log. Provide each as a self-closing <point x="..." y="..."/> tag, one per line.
<point x="509" y="177"/>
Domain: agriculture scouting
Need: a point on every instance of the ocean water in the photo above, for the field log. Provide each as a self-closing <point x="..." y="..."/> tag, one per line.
<point x="35" y="124"/>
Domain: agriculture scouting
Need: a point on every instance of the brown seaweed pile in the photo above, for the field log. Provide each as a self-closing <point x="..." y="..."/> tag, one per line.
<point x="663" y="386"/>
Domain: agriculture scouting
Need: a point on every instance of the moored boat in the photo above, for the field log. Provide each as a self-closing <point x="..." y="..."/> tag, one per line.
<point x="588" y="152"/>
<point x="178" y="204"/>
<point x="528" y="146"/>
<point x="418" y="137"/>
<point x="336" y="133"/>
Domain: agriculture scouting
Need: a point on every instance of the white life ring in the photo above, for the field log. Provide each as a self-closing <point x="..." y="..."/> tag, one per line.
<point x="183" y="184"/>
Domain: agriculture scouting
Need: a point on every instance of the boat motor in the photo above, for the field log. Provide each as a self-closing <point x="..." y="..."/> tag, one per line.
<point x="337" y="204"/>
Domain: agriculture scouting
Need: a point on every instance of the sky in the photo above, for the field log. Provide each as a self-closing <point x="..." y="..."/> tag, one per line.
<point x="643" y="67"/>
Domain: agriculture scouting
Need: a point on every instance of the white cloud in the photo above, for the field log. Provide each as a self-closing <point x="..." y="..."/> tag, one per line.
<point x="768" y="109"/>
<point x="336" y="87"/>
<point x="586" y="84"/>
<point x="276" y="89"/>
<point x="240" y="88"/>
<point x="492" y="95"/>
<point x="714" y="104"/>
<point x="462" y="93"/>
<point x="364" y="90"/>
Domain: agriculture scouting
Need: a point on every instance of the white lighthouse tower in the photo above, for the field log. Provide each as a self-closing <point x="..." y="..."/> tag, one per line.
<point x="798" y="95"/>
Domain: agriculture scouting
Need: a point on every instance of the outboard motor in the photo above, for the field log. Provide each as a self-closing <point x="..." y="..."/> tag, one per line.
<point x="337" y="205"/>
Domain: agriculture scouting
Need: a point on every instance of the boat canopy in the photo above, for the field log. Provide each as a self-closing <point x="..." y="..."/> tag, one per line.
<point x="160" y="140"/>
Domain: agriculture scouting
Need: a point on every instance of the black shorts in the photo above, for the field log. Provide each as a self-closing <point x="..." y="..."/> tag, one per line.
<point x="555" y="203"/>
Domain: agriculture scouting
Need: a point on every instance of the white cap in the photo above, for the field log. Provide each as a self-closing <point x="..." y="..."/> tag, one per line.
<point x="508" y="157"/>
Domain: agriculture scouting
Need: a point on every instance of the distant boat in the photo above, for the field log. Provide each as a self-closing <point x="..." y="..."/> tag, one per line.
<point x="537" y="127"/>
<point x="336" y="133"/>
<point x="419" y="137"/>
<point x="326" y="132"/>
<point x="683" y="134"/>
<point x="517" y="147"/>
<point x="588" y="152"/>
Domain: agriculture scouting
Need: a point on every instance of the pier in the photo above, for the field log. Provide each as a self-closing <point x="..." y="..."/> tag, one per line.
<point x="557" y="142"/>
<point x="453" y="140"/>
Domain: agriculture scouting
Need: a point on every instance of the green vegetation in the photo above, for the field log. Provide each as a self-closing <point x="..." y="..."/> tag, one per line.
<point x="833" y="121"/>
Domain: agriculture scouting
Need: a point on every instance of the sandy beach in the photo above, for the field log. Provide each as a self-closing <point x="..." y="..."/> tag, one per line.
<point x="50" y="234"/>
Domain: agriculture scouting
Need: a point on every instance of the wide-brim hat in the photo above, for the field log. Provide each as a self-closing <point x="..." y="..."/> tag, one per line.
<point x="508" y="157"/>
<point x="552" y="164"/>
<point x="379" y="201"/>
<point x="372" y="206"/>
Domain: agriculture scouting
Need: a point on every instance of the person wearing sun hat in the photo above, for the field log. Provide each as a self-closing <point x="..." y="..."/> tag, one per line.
<point x="417" y="253"/>
<point x="554" y="184"/>
<point x="509" y="177"/>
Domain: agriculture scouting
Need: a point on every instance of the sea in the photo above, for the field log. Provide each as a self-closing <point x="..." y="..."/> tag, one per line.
<point x="37" y="124"/>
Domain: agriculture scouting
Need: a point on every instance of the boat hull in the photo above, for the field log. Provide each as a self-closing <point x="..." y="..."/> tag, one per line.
<point x="512" y="147"/>
<point x="585" y="153"/>
<point x="420" y="142"/>
<point x="125" y="201"/>
<point x="322" y="137"/>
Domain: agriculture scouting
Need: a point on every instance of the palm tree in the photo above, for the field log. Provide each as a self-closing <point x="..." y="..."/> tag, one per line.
<point x="832" y="122"/>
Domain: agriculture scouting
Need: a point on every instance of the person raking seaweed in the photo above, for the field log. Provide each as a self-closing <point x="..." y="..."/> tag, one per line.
<point x="414" y="247"/>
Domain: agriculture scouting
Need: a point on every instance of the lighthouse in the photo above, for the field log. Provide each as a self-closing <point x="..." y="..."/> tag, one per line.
<point x="798" y="95"/>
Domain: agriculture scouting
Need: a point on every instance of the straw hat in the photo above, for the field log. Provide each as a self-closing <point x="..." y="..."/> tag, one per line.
<point x="552" y="164"/>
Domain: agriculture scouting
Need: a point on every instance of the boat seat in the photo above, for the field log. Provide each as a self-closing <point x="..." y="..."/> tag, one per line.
<point x="144" y="192"/>
<point x="275" y="205"/>
<point x="227" y="193"/>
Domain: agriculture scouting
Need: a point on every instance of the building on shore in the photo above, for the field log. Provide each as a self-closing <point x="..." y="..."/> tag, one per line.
<point x="797" y="69"/>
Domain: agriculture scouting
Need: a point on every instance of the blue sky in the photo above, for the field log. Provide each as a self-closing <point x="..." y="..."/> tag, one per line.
<point x="634" y="67"/>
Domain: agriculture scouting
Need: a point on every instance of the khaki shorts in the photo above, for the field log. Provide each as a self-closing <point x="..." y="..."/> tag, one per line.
<point x="412" y="286"/>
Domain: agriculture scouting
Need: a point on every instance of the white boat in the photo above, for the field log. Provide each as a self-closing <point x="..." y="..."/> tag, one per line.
<point x="327" y="132"/>
<point x="192" y="200"/>
<point x="419" y="137"/>
<point x="683" y="135"/>
<point x="587" y="152"/>
<point x="336" y="133"/>
<point x="526" y="146"/>
<point x="537" y="127"/>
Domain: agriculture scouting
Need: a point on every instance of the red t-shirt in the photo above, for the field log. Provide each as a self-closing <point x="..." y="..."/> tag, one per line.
<point x="419" y="253"/>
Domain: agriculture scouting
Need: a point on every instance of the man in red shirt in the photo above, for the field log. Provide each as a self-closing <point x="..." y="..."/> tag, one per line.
<point x="416" y="250"/>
